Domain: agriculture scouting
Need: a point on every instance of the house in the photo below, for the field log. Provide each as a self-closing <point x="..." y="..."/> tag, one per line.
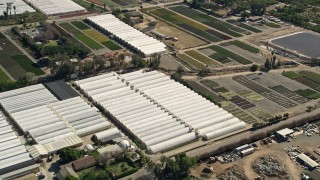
<point x="66" y="171"/>
<point x="83" y="163"/>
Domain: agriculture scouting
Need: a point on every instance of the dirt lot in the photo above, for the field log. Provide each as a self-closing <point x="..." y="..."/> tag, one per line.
<point x="275" y="149"/>
<point x="185" y="40"/>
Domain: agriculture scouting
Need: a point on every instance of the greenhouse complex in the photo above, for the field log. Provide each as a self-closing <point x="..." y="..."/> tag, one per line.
<point x="160" y="112"/>
<point x="48" y="122"/>
<point x="127" y="35"/>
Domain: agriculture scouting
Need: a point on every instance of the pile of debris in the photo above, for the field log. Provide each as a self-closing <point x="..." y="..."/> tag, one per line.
<point x="317" y="151"/>
<point x="310" y="129"/>
<point x="229" y="157"/>
<point x="269" y="166"/>
<point x="293" y="151"/>
<point x="233" y="173"/>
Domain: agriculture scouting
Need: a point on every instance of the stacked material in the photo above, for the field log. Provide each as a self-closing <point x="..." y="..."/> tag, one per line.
<point x="132" y="37"/>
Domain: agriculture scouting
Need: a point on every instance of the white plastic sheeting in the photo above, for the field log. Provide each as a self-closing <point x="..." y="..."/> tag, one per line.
<point x="132" y="37"/>
<point x="181" y="102"/>
<point x="141" y="116"/>
<point x="54" y="7"/>
<point x="13" y="154"/>
<point x="107" y="135"/>
<point x="225" y="130"/>
<point x="21" y="7"/>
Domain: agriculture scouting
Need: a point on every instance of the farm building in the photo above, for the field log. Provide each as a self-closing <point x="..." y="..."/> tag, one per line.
<point x="285" y="133"/>
<point x="54" y="7"/>
<point x="52" y="124"/>
<point x="15" y="160"/>
<point x="107" y="135"/>
<point x="127" y="35"/>
<point x="15" y="7"/>
<point x="307" y="161"/>
<point x="160" y="112"/>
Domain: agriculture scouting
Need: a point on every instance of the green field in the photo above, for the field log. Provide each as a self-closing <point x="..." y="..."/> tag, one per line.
<point x="309" y="93"/>
<point x="80" y="25"/>
<point x="27" y="64"/>
<point x="273" y="25"/>
<point x="202" y="58"/>
<point x="190" y="61"/>
<point x="81" y="36"/>
<point x="3" y="76"/>
<point x="243" y="25"/>
<point x="239" y="113"/>
<point x="291" y="74"/>
<point x="102" y="39"/>
<point x="209" y="20"/>
<point x="187" y="24"/>
<point x="230" y="54"/>
<point x="242" y="45"/>
<point x="221" y="58"/>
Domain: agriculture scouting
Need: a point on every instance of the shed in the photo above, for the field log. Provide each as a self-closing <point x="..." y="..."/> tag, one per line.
<point x="285" y="133"/>
<point x="247" y="151"/>
<point x="124" y="144"/>
<point x="243" y="147"/>
<point x="307" y="161"/>
<point x="83" y="163"/>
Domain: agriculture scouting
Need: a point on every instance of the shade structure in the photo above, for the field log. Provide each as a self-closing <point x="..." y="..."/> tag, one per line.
<point x="56" y="7"/>
<point x="128" y="35"/>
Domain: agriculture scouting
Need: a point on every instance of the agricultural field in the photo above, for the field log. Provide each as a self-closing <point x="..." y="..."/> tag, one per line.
<point x="13" y="60"/>
<point x="250" y="95"/>
<point x="261" y="114"/>
<point x="210" y="84"/>
<point x="202" y="58"/>
<point x="290" y="94"/>
<point x="209" y="21"/>
<point x="81" y="36"/>
<point x="273" y="96"/>
<point x="188" y="25"/>
<point x="239" y="113"/>
<point x="191" y="62"/>
<point x="242" y="45"/>
<point x="115" y="3"/>
<point x="308" y="93"/>
<point x="244" y="26"/>
<point x="102" y="39"/>
<point x="306" y="78"/>
<point x="223" y="54"/>
<point x="4" y="76"/>
<point x="80" y="25"/>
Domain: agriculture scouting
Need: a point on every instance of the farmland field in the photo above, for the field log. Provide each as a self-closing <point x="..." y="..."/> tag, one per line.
<point x="307" y="78"/>
<point x="189" y="25"/>
<point x="226" y="53"/>
<point x="209" y="20"/>
<point x="220" y="57"/>
<point x="7" y="61"/>
<point x="81" y="36"/>
<point x="250" y="95"/>
<point x="119" y="2"/>
<point x="243" y="25"/>
<point x="96" y="35"/>
<point x="191" y="61"/>
<point x="111" y="45"/>
<point x="239" y="113"/>
<point x="27" y="64"/>
<point x="202" y="58"/>
<point x="282" y="101"/>
<point x="289" y="94"/>
<point x="309" y="93"/>
<point x="3" y="76"/>
<point x="209" y="84"/>
<point x="80" y="25"/>
<point x="261" y="114"/>
<point x="242" y="45"/>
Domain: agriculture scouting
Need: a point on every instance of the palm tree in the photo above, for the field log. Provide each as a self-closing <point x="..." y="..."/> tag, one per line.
<point x="15" y="8"/>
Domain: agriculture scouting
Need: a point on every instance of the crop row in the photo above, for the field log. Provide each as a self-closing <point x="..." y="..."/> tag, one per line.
<point x="202" y="58"/>
<point x="243" y="25"/>
<point x="242" y="45"/>
<point x="227" y="53"/>
<point x="187" y="24"/>
<point x="209" y="21"/>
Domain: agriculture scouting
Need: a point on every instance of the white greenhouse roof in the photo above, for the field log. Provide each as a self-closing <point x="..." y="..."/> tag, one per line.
<point x="13" y="154"/>
<point x="26" y="98"/>
<point x="54" y="7"/>
<point x="141" y="117"/>
<point x="133" y="37"/>
<point x="20" y="5"/>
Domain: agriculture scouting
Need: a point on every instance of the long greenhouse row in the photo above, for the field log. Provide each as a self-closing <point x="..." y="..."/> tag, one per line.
<point x="69" y="118"/>
<point x="56" y="7"/>
<point x="13" y="154"/>
<point x="143" y="118"/>
<point x="205" y="117"/>
<point x="130" y="36"/>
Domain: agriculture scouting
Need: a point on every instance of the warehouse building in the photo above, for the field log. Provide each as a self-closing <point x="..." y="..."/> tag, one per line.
<point x="54" y="7"/>
<point x="160" y="112"/>
<point x="51" y="123"/>
<point x="15" y="160"/>
<point x="127" y="35"/>
<point x="307" y="161"/>
<point x="20" y="7"/>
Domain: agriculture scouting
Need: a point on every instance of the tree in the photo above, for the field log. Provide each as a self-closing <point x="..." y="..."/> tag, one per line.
<point x="99" y="63"/>
<point x="70" y="178"/>
<point x="267" y="64"/>
<point x="203" y="72"/>
<point x="253" y="67"/>
<point x="87" y="67"/>
<point x="104" y="6"/>
<point x="5" y="14"/>
<point x="273" y="61"/>
<point x="92" y="5"/>
<point x="195" y="4"/>
<point x="154" y="62"/>
<point x="14" y="8"/>
<point x="258" y="7"/>
<point x="180" y="70"/>
<point x="244" y="15"/>
<point x="69" y="154"/>
<point x="138" y="61"/>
